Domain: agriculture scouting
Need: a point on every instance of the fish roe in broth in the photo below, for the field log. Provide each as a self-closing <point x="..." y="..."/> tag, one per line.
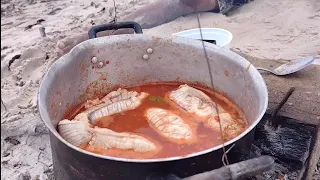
<point x="134" y="121"/>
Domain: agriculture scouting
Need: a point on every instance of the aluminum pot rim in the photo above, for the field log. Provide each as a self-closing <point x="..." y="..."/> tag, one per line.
<point x="45" y="116"/>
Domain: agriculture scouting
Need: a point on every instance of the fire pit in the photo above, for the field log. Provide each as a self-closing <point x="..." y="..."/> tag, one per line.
<point x="290" y="144"/>
<point x="268" y="140"/>
<point x="300" y="113"/>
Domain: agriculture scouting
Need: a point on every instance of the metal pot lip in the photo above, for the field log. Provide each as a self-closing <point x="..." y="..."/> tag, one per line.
<point x="190" y="42"/>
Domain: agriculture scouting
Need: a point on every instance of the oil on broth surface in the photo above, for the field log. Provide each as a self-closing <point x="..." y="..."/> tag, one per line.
<point x="134" y="121"/>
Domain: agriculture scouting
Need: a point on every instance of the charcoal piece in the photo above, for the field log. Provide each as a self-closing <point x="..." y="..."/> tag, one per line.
<point x="12" y="60"/>
<point x="290" y="145"/>
<point x="12" y="141"/>
<point x="290" y="142"/>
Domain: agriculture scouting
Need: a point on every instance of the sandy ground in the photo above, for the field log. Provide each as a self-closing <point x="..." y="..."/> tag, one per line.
<point x="266" y="29"/>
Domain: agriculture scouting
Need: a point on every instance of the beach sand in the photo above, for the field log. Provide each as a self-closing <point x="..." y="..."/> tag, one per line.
<point x="273" y="30"/>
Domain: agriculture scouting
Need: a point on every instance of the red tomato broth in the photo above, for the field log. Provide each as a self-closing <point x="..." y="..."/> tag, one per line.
<point x="134" y="121"/>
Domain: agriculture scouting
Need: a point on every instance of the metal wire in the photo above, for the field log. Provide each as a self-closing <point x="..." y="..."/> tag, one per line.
<point x="225" y="154"/>
<point x="225" y="160"/>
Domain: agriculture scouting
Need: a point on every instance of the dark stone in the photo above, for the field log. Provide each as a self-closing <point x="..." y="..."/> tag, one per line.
<point x="47" y="56"/>
<point x="49" y="170"/>
<point x="12" y="140"/>
<point x="39" y="21"/>
<point x="5" y="154"/>
<point x="49" y="173"/>
<point x="12" y="60"/>
<point x="25" y="176"/>
<point x="4" y="47"/>
<point x="40" y="129"/>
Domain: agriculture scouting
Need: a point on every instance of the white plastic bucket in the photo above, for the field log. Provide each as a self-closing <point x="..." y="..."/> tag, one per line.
<point x="222" y="37"/>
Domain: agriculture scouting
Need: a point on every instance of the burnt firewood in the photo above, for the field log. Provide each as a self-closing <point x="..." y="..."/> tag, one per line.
<point x="290" y="142"/>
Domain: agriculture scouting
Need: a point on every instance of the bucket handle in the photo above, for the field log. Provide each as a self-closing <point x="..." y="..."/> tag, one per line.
<point x="114" y="26"/>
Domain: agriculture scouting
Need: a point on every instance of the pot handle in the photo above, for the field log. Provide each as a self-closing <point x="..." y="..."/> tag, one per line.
<point x="114" y="26"/>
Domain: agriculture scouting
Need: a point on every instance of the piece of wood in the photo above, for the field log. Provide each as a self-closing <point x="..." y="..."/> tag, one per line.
<point x="314" y="157"/>
<point x="42" y="31"/>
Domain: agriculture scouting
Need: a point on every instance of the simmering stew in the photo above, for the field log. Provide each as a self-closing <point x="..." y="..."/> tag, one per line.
<point x="157" y="120"/>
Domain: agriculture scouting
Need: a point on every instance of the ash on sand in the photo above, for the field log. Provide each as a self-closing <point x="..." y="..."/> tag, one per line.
<point x="282" y="27"/>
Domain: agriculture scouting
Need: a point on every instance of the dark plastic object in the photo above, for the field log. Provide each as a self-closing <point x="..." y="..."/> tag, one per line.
<point x="211" y="41"/>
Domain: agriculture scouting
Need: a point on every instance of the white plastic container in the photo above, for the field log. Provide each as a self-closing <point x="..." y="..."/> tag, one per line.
<point x="222" y="37"/>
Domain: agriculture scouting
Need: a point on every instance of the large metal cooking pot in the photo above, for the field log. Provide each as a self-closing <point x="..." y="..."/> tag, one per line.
<point x="75" y="77"/>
